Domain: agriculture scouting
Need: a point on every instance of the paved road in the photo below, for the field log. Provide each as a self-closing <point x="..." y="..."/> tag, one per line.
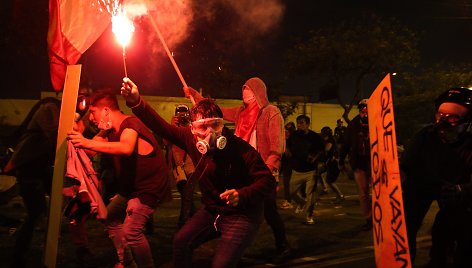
<point x="335" y="240"/>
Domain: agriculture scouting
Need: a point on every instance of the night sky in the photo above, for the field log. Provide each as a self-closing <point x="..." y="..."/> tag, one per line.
<point x="445" y="28"/>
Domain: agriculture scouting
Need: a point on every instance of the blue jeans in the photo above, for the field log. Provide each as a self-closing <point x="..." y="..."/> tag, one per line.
<point x="236" y="232"/>
<point x="125" y="225"/>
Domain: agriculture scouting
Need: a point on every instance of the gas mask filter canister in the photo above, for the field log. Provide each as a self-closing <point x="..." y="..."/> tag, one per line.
<point x="208" y="131"/>
<point x="452" y="133"/>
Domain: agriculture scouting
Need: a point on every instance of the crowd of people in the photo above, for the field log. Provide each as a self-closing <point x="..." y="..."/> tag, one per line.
<point x="238" y="172"/>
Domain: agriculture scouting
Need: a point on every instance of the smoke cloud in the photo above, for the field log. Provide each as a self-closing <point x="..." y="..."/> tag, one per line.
<point x="240" y="22"/>
<point x="225" y="25"/>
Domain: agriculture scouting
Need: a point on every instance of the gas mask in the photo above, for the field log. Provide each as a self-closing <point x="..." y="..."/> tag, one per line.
<point x="452" y="129"/>
<point x="105" y="120"/>
<point x="209" y="134"/>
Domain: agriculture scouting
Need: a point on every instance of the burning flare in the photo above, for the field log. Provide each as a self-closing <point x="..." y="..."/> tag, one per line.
<point x="122" y="27"/>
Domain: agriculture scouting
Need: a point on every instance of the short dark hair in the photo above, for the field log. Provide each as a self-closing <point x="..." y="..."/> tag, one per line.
<point x="207" y="108"/>
<point x="303" y="117"/>
<point x="104" y="97"/>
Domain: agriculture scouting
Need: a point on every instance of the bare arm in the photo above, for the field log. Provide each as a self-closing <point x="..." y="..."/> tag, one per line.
<point x="125" y="146"/>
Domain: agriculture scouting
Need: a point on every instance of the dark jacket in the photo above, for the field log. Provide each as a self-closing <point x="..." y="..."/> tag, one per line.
<point x="305" y="150"/>
<point x="238" y="166"/>
<point x="356" y="144"/>
<point x="33" y="158"/>
<point x="429" y="163"/>
<point x="141" y="176"/>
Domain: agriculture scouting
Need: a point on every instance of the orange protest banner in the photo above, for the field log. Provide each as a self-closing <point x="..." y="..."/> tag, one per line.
<point x="389" y="231"/>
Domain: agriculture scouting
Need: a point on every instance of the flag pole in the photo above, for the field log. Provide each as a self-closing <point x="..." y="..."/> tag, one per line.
<point x="153" y="23"/>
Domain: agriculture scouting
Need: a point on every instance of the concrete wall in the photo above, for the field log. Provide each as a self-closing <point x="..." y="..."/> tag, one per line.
<point x="13" y="111"/>
<point x="320" y="114"/>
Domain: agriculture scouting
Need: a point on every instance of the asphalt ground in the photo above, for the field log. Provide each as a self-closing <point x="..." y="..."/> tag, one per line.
<point x="335" y="240"/>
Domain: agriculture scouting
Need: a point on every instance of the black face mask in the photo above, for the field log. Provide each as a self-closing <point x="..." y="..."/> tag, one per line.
<point x="453" y="134"/>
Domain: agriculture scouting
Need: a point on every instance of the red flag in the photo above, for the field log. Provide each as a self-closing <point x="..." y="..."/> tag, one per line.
<point x="73" y="27"/>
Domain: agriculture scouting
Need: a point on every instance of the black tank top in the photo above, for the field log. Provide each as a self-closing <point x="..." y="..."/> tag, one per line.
<point x="142" y="176"/>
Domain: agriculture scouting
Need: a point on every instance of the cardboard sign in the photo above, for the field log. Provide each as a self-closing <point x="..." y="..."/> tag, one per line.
<point x="389" y="230"/>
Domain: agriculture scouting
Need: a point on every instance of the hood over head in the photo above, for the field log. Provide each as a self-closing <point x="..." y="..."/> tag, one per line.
<point x="259" y="89"/>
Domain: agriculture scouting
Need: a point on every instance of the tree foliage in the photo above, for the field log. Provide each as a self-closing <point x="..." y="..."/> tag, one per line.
<point x="362" y="47"/>
<point x="287" y="108"/>
<point x="414" y="94"/>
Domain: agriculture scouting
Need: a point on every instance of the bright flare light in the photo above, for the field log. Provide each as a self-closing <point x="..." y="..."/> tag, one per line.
<point x="123" y="29"/>
<point x="122" y="26"/>
<point x="109" y="6"/>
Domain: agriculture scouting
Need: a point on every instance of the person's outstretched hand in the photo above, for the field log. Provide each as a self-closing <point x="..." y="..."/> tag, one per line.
<point x="130" y="92"/>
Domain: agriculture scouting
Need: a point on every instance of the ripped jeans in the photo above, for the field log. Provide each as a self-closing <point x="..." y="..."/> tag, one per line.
<point x="125" y="226"/>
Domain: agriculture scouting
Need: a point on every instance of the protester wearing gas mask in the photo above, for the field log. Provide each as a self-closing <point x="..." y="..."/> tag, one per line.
<point x="261" y="124"/>
<point x="233" y="180"/>
<point x="437" y="166"/>
<point x="357" y="147"/>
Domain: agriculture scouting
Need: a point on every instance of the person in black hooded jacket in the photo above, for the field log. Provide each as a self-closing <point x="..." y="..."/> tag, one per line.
<point x="437" y="166"/>
<point x="32" y="164"/>
<point x="233" y="180"/>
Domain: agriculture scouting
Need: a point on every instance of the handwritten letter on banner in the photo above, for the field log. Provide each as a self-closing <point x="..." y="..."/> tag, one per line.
<point x="390" y="240"/>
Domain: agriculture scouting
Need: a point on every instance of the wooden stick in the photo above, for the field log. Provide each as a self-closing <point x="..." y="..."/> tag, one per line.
<point x="169" y="54"/>
<point x="66" y="120"/>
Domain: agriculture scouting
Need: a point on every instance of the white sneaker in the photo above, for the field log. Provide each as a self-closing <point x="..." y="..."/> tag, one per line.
<point x="310" y="220"/>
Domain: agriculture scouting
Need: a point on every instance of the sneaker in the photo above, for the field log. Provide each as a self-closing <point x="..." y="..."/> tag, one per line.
<point x="283" y="255"/>
<point x="286" y="205"/>
<point x="339" y="199"/>
<point x="310" y="220"/>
